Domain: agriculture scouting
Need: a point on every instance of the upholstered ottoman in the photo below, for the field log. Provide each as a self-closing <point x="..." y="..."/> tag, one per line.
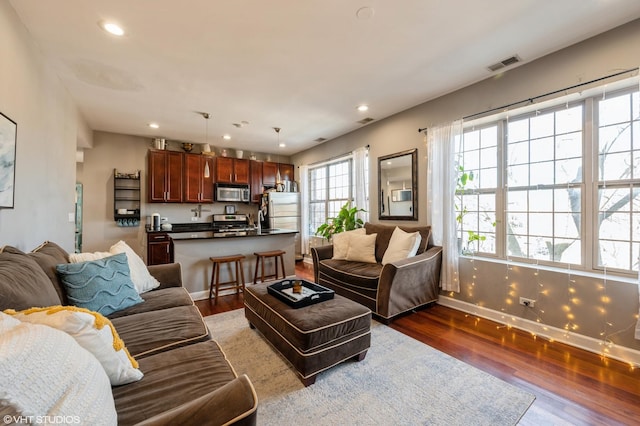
<point x="313" y="338"/>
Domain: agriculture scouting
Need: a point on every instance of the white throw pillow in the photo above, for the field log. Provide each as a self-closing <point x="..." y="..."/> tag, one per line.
<point x="402" y="245"/>
<point x="44" y="372"/>
<point x="140" y="275"/>
<point x="341" y="242"/>
<point x="93" y="332"/>
<point x="87" y="257"/>
<point x="362" y="248"/>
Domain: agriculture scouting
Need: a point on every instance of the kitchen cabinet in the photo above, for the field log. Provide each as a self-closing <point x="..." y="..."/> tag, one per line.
<point x="159" y="249"/>
<point x="198" y="178"/>
<point x="164" y="176"/>
<point x="255" y="172"/>
<point x="286" y="171"/>
<point x="126" y="198"/>
<point x="270" y="170"/>
<point x="232" y="170"/>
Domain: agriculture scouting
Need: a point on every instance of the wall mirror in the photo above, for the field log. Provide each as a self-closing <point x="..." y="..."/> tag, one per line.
<point x="398" y="186"/>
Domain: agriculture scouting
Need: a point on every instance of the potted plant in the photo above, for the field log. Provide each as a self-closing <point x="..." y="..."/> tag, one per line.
<point x="346" y="220"/>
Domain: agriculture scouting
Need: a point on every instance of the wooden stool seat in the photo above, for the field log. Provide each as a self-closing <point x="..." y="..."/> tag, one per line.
<point x="260" y="259"/>
<point x="236" y="284"/>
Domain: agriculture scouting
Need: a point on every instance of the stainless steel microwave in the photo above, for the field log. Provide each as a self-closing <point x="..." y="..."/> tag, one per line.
<point x="230" y="192"/>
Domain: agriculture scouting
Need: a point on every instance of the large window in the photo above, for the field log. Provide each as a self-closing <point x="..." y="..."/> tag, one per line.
<point x="330" y="188"/>
<point x="618" y="193"/>
<point x="559" y="185"/>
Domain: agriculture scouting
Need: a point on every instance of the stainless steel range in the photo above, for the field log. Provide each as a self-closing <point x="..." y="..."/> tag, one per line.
<point x="231" y="224"/>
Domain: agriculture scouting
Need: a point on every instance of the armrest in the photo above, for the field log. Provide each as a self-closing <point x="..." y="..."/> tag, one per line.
<point x="409" y="283"/>
<point x="318" y="254"/>
<point x="234" y="403"/>
<point x="169" y="275"/>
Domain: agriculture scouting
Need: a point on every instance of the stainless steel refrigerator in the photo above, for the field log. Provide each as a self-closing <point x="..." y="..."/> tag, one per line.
<point x="282" y="211"/>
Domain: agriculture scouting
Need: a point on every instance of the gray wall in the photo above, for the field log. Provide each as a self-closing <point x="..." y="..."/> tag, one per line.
<point x="602" y="55"/>
<point x="49" y="126"/>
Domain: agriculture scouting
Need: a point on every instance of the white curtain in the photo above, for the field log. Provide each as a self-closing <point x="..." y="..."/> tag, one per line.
<point x="304" y="214"/>
<point x="361" y="181"/>
<point x="441" y="187"/>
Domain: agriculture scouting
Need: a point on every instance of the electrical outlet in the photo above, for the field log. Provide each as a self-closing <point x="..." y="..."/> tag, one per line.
<point x="529" y="303"/>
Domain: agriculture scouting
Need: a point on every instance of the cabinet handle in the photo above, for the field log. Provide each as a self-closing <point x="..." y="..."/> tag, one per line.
<point x="235" y="177"/>
<point x="230" y="177"/>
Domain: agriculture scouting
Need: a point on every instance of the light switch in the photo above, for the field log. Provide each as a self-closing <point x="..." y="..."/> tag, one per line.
<point x="72" y="217"/>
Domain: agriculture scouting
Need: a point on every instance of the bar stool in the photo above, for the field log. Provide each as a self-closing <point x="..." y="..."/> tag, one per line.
<point x="236" y="284"/>
<point x="260" y="258"/>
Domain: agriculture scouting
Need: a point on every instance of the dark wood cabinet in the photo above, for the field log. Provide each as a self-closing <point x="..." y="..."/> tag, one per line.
<point x="164" y="176"/>
<point x="270" y="171"/>
<point x="286" y="171"/>
<point x="255" y="172"/>
<point x="159" y="249"/>
<point x="232" y="170"/>
<point x="198" y="178"/>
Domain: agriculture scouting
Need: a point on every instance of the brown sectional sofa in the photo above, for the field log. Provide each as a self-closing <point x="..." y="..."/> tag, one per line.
<point x="187" y="379"/>
<point x="388" y="290"/>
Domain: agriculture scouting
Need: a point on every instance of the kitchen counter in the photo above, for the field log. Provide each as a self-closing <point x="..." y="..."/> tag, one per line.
<point x="193" y="244"/>
<point x="198" y="231"/>
<point x="199" y="235"/>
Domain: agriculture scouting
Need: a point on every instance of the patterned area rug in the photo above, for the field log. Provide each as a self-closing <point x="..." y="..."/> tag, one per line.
<point x="400" y="382"/>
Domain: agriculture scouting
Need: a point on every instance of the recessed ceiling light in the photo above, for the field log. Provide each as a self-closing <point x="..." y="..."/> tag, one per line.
<point x="282" y="145"/>
<point x="226" y="137"/>
<point x="154" y="125"/>
<point x="112" y="28"/>
<point x="363" y="108"/>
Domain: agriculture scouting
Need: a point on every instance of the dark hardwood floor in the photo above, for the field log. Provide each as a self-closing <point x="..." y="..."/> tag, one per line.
<point x="572" y="386"/>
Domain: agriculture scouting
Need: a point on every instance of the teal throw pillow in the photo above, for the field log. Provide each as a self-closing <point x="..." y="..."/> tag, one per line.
<point x="102" y="285"/>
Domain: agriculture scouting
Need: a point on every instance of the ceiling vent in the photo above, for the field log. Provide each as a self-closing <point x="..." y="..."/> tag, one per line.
<point x="504" y="63"/>
<point x="320" y="140"/>
<point x="365" y="120"/>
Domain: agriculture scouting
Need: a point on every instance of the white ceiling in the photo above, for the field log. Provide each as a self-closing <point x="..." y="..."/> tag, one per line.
<point x="300" y="65"/>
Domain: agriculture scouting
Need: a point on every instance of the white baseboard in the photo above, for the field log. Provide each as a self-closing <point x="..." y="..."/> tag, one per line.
<point x="620" y="353"/>
<point x="203" y="295"/>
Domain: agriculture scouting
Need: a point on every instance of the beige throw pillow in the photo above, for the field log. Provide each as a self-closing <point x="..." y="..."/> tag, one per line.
<point x="402" y="245"/>
<point x="362" y="248"/>
<point x="341" y="242"/>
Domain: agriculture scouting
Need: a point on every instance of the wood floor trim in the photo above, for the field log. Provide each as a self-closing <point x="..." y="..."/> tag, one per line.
<point x="617" y="352"/>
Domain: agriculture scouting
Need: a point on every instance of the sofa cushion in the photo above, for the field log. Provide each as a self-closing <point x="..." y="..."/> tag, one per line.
<point x="102" y="285"/>
<point x="173" y="378"/>
<point x="157" y="299"/>
<point x="356" y="280"/>
<point x="48" y="255"/>
<point x="384" y="235"/>
<point x="157" y="331"/>
<point x="140" y="276"/>
<point x="23" y="284"/>
<point x="341" y="242"/>
<point x="402" y="245"/>
<point x="362" y="248"/>
<point x="44" y="372"/>
<point x="93" y="332"/>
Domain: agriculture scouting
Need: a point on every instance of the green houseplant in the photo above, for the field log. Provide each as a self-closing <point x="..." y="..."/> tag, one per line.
<point x="345" y="221"/>
<point x="464" y="177"/>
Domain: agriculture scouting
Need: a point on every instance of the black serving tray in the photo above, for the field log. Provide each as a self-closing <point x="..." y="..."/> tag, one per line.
<point x="311" y="293"/>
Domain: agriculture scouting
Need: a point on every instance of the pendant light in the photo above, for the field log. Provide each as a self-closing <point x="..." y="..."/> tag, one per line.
<point x="278" y="177"/>
<point x="207" y="172"/>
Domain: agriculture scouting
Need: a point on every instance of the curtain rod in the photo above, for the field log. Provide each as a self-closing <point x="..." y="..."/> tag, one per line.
<point x="533" y="99"/>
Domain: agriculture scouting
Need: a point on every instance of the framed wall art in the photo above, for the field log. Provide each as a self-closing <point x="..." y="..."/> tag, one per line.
<point x="8" y="137"/>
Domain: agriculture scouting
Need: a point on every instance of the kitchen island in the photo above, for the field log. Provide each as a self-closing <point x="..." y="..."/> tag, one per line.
<point x="193" y="245"/>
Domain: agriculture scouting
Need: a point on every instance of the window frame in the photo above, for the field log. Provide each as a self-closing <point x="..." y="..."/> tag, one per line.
<point x="589" y="185"/>
<point x="326" y="201"/>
